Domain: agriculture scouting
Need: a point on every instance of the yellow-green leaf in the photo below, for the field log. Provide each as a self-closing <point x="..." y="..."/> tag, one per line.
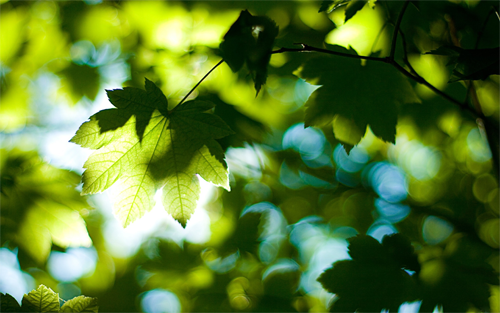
<point x="143" y="148"/>
<point x="41" y="300"/>
<point x="81" y="304"/>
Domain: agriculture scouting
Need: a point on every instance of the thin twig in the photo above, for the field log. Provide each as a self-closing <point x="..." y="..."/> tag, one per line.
<point x="201" y="80"/>
<point x="396" y="29"/>
<point x="476" y="45"/>
<point x="405" y="53"/>
<point x="421" y="80"/>
<point x="307" y="48"/>
<point x="483" y="27"/>
<point x="378" y="36"/>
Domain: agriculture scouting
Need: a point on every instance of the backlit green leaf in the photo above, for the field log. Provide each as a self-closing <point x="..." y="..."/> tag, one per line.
<point x="145" y="148"/>
<point x="41" y="300"/>
<point x="81" y="304"/>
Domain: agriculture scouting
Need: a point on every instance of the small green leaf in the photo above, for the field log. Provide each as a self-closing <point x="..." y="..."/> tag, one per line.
<point x="8" y="303"/>
<point x="41" y="300"/>
<point x="354" y="94"/>
<point x="250" y="40"/>
<point x="352" y="7"/>
<point x="81" y="304"/>
<point x="246" y="235"/>
<point x="145" y="148"/>
<point x="331" y="5"/>
<point x="247" y="129"/>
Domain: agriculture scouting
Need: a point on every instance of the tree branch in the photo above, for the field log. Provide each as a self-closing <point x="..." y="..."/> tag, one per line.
<point x="483" y="27"/>
<point x="396" y="30"/>
<point x="307" y="48"/>
<point x="417" y="78"/>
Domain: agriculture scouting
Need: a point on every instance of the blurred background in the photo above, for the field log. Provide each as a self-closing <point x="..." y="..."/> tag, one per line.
<point x="296" y="194"/>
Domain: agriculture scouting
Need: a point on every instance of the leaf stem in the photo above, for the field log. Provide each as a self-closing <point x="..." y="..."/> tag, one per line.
<point x="201" y="80"/>
<point x="483" y="27"/>
<point x="396" y="30"/>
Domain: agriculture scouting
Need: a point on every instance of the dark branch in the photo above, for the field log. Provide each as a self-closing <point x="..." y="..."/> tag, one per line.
<point x="307" y="48"/>
<point x="396" y="29"/>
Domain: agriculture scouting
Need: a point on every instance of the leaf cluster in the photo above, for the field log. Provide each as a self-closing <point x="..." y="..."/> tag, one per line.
<point x="44" y="299"/>
<point x="40" y="205"/>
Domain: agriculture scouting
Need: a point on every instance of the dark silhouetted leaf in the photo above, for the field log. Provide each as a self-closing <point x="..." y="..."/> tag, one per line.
<point x="354" y="96"/>
<point x="371" y="281"/>
<point x="246" y="129"/>
<point x="282" y="279"/>
<point x="8" y="303"/>
<point x="250" y="40"/>
<point x="366" y="249"/>
<point x="471" y="64"/>
<point x="399" y="248"/>
<point x="246" y="236"/>
<point x="84" y="80"/>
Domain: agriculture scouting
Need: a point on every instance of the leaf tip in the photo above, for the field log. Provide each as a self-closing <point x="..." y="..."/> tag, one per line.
<point x="183" y="222"/>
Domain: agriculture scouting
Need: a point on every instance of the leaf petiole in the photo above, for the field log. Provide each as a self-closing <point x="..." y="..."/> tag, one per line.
<point x="196" y="86"/>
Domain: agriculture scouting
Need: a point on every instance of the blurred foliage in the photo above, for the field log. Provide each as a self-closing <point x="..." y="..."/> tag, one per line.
<point x="40" y="205"/>
<point x="416" y="219"/>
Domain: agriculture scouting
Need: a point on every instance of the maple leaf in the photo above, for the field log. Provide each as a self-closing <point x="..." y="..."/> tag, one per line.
<point x="379" y="91"/>
<point x="145" y="148"/>
<point x="379" y="264"/>
<point x="250" y="39"/>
